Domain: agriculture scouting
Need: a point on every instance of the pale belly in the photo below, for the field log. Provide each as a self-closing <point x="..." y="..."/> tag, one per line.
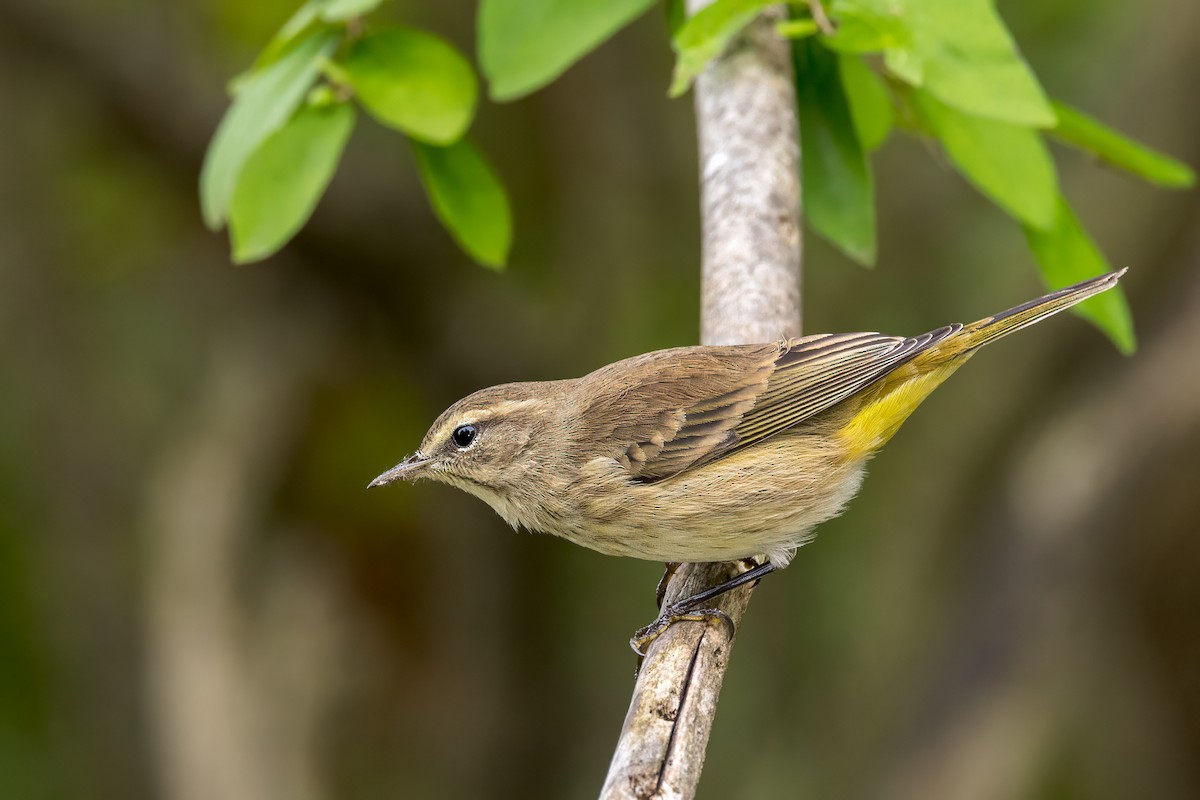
<point x="765" y="500"/>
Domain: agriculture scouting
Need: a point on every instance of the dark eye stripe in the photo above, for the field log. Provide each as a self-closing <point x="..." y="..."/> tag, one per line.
<point x="463" y="435"/>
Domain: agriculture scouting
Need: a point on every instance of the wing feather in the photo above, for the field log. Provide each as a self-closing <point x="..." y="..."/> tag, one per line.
<point x="681" y="408"/>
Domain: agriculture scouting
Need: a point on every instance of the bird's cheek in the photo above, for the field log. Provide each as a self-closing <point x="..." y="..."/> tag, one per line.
<point x="434" y="471"/>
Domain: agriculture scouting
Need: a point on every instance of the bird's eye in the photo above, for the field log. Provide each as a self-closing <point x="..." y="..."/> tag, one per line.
<point x="463" y="435"/>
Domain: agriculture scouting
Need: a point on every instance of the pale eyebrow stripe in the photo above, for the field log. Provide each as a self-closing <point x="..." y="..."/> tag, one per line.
<point x="476" y="415"/>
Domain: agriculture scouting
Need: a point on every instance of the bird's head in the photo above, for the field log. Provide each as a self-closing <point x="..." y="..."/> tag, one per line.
<point x="484" y="443"/>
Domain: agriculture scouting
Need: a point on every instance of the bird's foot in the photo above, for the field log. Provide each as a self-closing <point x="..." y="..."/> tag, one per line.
<point x="685" y="610"/>
<point x="679" y="612"/>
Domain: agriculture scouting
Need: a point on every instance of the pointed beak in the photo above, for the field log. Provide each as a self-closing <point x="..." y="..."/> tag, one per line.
<point x="407" y="469"/>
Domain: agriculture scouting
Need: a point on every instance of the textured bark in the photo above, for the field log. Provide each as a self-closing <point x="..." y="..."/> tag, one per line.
<point x="750" y="191"/>
<point x="750" y="207"/>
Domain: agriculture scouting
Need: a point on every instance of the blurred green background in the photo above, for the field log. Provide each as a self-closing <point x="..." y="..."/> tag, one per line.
<point x="198" y="599"/>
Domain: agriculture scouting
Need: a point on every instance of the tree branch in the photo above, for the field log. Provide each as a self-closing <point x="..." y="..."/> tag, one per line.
<point x="750" y="212"/>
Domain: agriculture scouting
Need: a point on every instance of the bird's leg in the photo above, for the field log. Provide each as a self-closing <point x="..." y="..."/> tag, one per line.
<point x="686" y="609"/>
<point x="644" y="637"/>
<point x="661" y="590"/>
<point x="754" y="574"/>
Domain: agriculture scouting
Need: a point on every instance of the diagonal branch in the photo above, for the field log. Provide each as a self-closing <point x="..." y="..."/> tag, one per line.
<point x="750" y="210"/>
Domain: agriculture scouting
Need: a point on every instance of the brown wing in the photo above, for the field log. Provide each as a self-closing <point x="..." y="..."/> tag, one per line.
<point x="676" y="409"/>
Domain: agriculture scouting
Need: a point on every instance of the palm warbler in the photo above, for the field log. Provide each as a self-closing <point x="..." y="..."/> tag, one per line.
<point x="702" y="453"/>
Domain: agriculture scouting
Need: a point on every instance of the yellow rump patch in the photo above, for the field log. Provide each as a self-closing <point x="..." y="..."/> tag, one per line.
<point x="886" y="407"/>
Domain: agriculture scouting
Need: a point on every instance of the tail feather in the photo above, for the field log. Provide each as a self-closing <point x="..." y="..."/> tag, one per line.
<point x="991" y="328"/>
<point x="888" y="402"/>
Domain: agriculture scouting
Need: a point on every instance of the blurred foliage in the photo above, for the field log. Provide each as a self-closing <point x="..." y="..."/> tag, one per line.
<point x="525" y="44"/>
<point x="839" y="187"/>
<point x="956" y="73"/>
<point x="184" y="445"/>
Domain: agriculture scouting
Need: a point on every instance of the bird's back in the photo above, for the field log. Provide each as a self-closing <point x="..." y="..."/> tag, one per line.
<point x="715" y="453"/>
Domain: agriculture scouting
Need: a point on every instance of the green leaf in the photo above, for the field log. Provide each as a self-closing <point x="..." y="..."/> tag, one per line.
<point x="970" y="62"/>
<point x="262" y="106"/>
<point x="301" y="22"/>
<point x="797" y="28"/>
<point x="870" y="103"/>
<point x="839" y="190"/>
<point x="1078" y="129"/>
<point x="306" y="19"/>
<point x="676" y="15"/>
<point x="284" y="178"/>
<point x="525" y="44"/>
<point x="296" y="24"/>
<point x="705" y="36"/>
<point x="864" y="26"/>
<point x="957" y="50"/>
<point x="323" y="94"/>
<point x="469" y="199"/>
<point x="1008" y="163"/>
<point x="414" y="82"/>
<point x="1066" y="255"/>
<point x="340" y="10"/>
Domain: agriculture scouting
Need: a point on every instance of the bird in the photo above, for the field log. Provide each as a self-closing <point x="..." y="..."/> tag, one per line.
<point x="703" y="453"/>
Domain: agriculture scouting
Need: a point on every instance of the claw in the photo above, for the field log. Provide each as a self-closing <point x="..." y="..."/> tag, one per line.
<point x="685" y="610"/>
<point x="643" y="638"/>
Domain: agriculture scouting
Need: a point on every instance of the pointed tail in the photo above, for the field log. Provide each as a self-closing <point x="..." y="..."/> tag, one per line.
<point x="991" y="328"/>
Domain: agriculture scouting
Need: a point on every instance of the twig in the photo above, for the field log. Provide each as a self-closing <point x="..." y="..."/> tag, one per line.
<point x="750" y="207"/>
<point x="820" y="17"/>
